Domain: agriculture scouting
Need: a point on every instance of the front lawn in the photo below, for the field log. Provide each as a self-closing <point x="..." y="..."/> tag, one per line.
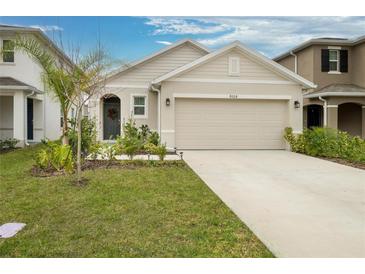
<point x="121" y="212"/>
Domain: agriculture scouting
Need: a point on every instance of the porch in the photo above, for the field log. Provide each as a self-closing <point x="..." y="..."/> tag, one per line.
<point x="337" y="106"/>
<point x="21" y="111"/>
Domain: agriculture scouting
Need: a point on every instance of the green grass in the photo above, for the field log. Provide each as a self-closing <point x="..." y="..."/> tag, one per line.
<point x="142" y="212"/>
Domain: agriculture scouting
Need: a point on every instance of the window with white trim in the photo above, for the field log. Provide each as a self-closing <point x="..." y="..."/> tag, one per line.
<point x="234" y="66"/>
<point x="8" y="51"/>
<point x="334" y="60"/>
<point x="139" y="106"/>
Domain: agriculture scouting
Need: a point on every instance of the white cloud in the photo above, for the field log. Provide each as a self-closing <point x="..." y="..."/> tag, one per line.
<point x="271" y="35"/>
<point x="167" y="43"/>
<point x="47" y="28"/>
<point x="183" y="26"/>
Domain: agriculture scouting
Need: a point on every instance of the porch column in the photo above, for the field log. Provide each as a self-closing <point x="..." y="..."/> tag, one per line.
<point x="363" y="122"/>
<point x="19" y="117"/>
<point x="332" y="116"/>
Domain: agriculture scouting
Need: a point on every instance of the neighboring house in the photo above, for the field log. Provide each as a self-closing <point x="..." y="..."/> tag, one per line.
<point x="231" y="98"/>
<point x="27" y="112"/>
<point x="337" y="66"/>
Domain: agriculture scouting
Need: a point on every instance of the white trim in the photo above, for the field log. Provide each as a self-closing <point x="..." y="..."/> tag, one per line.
<point x="165" y="49"/>
<point x="145" y="116"/>
<point x="231" y="96"/>
<point x="233" y="81"/>
<point x="332" y="106"/>
<point x="167" y="131"/>
<point x="337" y="71"/>
<point x="252" y="53"/>
<point x="297" y="131"/>
<point x="363" y="106"/>
<point x="341" y="94"/>
<point x="333" y="47"/>
<point x="127" y="86"/>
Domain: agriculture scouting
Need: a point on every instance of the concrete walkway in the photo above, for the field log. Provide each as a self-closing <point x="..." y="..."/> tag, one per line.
<point x="297" y="205"/>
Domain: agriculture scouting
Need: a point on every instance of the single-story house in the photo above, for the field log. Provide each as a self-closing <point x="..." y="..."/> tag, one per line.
<point x="230" y="98"/>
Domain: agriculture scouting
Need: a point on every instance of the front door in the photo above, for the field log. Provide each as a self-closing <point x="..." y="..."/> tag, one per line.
<point x="111" y="118"/>
<point x="314" y="116"/>
<point x="29" y="119"/>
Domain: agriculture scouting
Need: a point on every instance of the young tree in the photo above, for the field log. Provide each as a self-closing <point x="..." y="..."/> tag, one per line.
<point x="56" y="75"/>
<point x="88" y="79"/>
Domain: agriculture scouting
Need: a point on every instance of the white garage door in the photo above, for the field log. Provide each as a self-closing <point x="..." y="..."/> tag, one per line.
<point x="230" y="124"/>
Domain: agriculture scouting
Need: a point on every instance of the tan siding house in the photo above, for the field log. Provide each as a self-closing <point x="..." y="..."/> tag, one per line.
<point x="337" y="67"/>
<point x="232" y="98"/>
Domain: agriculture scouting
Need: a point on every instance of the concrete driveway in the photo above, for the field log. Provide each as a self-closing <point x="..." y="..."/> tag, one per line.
<point x="297" y="205"/>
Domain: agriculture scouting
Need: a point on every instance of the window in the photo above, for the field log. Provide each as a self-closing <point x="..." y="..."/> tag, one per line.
<point x="8" y="51"/>
<point x="234" y="66"/>
<point x="334" y="63"/>
<point x="139" y="106"/>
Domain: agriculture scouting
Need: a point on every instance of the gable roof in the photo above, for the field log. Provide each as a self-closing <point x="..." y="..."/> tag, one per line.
<point x="158" y="53"/>
<point x="39" y="34"/>
<point x="322" y="41"/>
<point x="251" y="53"/>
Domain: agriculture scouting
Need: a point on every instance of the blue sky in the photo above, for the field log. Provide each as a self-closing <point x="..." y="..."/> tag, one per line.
<point x="131" y="38"/>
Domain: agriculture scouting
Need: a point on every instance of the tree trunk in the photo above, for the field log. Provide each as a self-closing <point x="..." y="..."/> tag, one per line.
<point x="78" y="161"/>
<point x="65" y="140"/>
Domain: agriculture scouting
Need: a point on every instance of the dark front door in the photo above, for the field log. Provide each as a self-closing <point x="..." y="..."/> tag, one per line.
<point x="111" y="118"/>
<point x="314" y="116"/>
<point x="29" y="119"/>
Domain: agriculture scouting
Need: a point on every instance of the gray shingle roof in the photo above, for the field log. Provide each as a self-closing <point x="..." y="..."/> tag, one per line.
<point x="338" y="90"/>
<point x="9" y="82"/>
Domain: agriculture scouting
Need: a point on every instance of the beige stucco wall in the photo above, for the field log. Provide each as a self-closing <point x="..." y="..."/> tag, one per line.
<point x="305" y="62"/>
<point x="358" y="65"/>
<point x="125" y="96"/>
<point x="323" y="79"/>
<point x="169" y="89"/>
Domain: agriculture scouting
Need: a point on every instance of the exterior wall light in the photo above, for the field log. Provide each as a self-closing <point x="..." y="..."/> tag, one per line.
<point x="167" y="101"/>
<point x="296" y="104"/>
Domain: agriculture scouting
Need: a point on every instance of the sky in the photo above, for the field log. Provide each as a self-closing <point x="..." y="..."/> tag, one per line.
<point x="130" y="38"/>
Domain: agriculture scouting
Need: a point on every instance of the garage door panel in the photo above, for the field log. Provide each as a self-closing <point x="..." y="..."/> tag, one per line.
<point x="230" y="124"/>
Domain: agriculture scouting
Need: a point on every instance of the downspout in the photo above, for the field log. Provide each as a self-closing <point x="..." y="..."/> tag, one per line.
<point x="26" y="118"/>
<point x="295" y="61"/>
<point x="158" y="109"/>
<point x="324" y="111"/>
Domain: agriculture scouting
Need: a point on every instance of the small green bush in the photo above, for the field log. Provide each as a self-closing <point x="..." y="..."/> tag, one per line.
<point x="327" y="142"/>
<point x="159" y="150"/>
<point x="55" y="156"/>
<point x="109" y="151"/>
<point x="8" y="143"/>
<point x="88" y="135"/>
<point x="153" y="138"/>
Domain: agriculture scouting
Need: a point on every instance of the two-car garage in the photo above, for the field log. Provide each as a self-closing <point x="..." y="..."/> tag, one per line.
<point x="233" y="98"/>
<point x="230" y="123"/>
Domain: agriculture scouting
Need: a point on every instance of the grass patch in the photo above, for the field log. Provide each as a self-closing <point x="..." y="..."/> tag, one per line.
<point x="144" y="211"/>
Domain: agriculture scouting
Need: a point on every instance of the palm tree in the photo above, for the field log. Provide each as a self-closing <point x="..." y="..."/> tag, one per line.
<point x="55" y="76"/>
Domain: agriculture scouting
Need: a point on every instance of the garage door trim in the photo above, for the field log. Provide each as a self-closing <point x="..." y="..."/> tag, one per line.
<point x="231" y="96"/>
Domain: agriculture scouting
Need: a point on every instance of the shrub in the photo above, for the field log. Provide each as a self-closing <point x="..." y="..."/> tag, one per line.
<point x="153" y="138"/>
<point x="109" y="152"/>
<point x="159" y="150"/>
<point x="95" y="150"/>
<point x="9" y="143"/>
<point x="88" y="135"/>
<point x="327" y="142"/>
<point x="55" y="156"/>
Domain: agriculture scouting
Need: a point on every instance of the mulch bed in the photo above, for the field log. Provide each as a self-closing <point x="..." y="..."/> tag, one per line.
<point x="345" y="162"/>
<point x="104" y="164"/>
